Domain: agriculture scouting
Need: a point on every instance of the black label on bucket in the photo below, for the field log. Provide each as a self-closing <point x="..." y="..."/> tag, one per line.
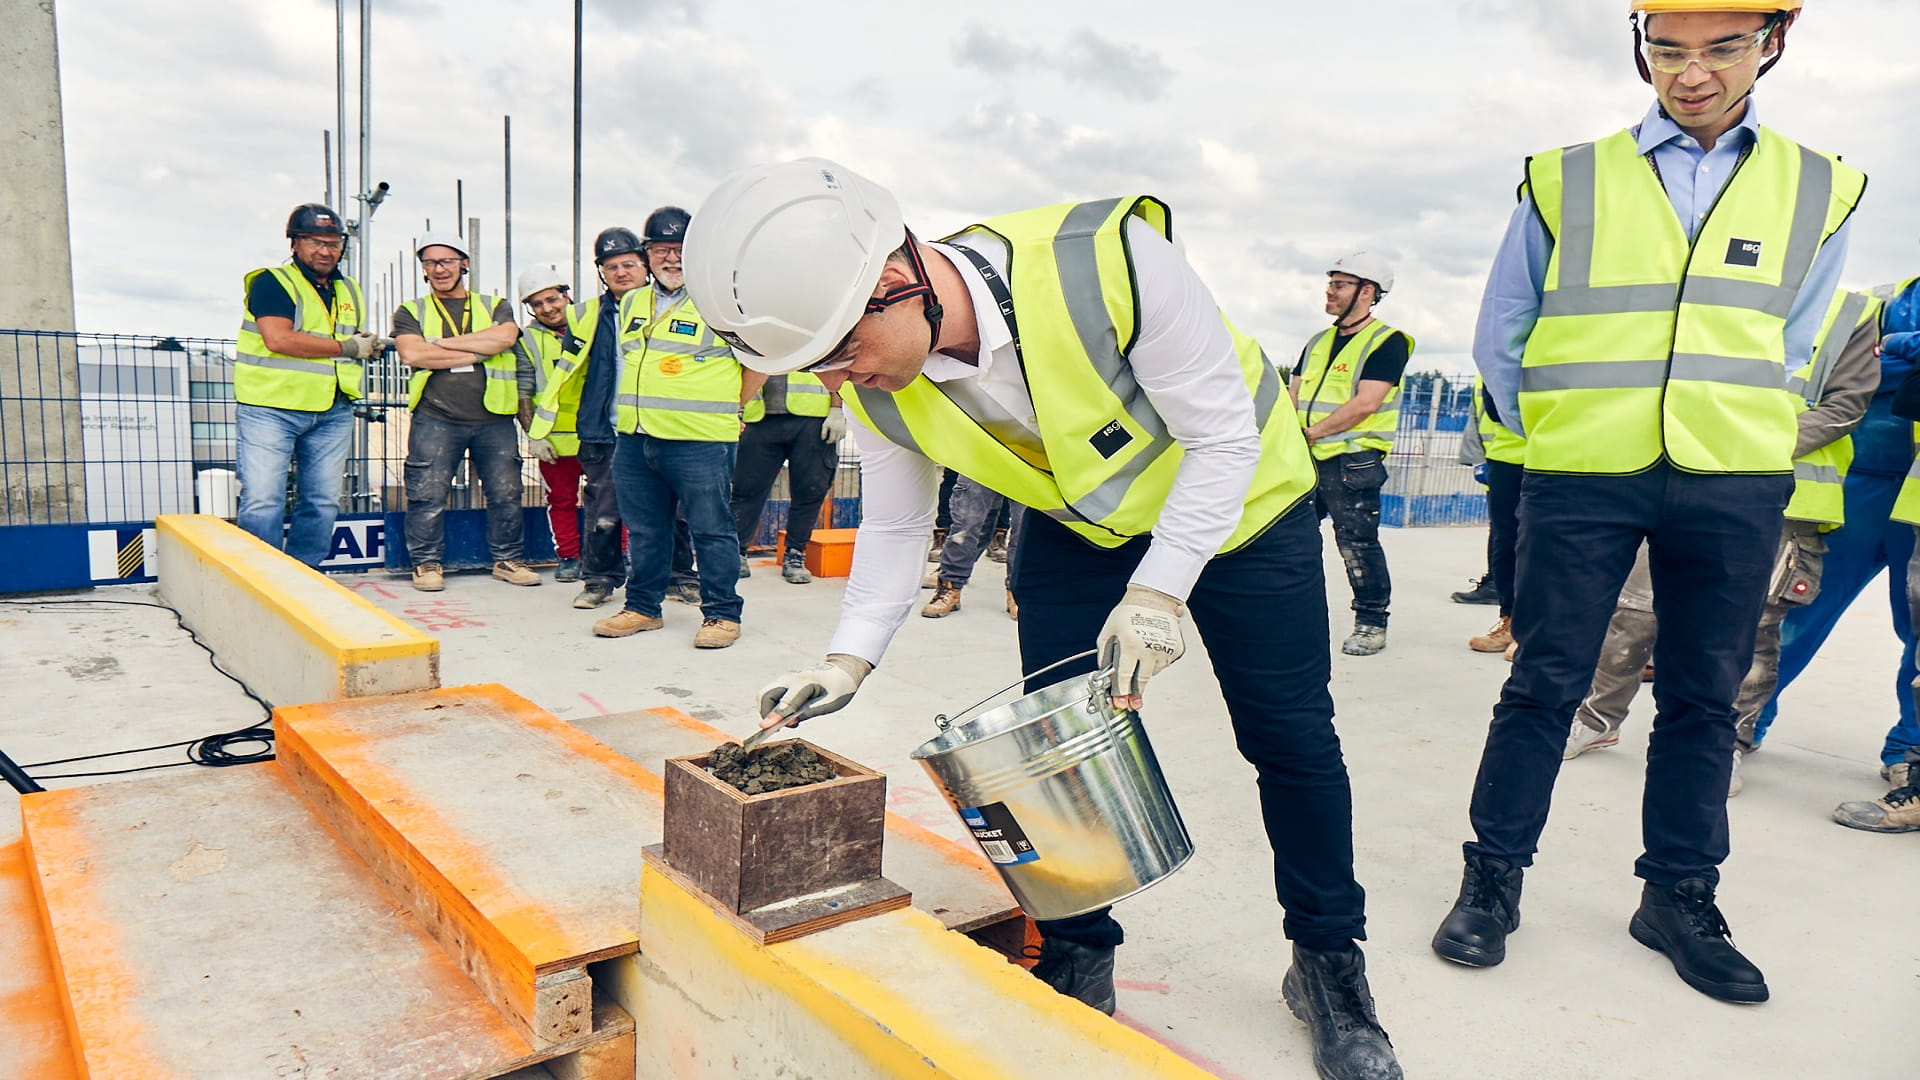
<point x="999" y="835"/>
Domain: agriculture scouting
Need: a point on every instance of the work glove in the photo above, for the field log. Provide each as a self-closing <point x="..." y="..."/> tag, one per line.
<point x="801" y="695"/>
<point x="1140" y="638"/>
<point x="361" y="345"/>
<point x="543" y="450"/>
<point x="834" y="427"/>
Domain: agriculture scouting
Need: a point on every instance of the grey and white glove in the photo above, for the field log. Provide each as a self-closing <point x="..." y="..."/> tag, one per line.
<point x="361" y="345"/>
<point x="543" y="450"/>
<point x="834" y="427"/>
<point x="801" y="695"/>
<point x="1140" y="638"/>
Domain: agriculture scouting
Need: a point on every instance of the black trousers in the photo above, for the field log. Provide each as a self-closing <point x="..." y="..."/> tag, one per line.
<point x="767" y="444"/>
<point x="603" y="560"/>
<point x="1503" y="527"/>
<point x="1349" y="493"/>
<point x="1710" y="543"/>
<point x="1262" y="612"/>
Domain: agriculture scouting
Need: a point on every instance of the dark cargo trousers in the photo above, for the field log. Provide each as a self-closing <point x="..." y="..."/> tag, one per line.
<point x="1349" y="493"/>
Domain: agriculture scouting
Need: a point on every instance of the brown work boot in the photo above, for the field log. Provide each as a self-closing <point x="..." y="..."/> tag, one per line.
<point x="1013" y="607"/>
<point x="1512" y="647"/>
<point x="939" y="541"/>
<point x="997" y="547"/>
<point x="1896" y="811"/>
<point x="946" y="600"/>
<point x="515" y="572"/>
<point x="716" y="634"/>
<point x="1494" y="640"/>
<point x="626" y="622"/>
<point x="427" y="577"/>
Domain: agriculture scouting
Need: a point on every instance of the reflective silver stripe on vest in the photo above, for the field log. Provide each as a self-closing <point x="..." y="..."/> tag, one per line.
<point x="674" y="348"/>
<point x="1819" y="474"/>
<point x="1594" y="375"/>
<point x="884" y="414"/>
<point x="286" y="363"/>
<point x="548" y="415"/>
<point x="493" y="372"/>
<point x="1079" y="273"/>
<point x="1729" y="370"/>
<point x="806" y="388"/>
<point x="667" y="404"/>
<point x="1845" y="322"/>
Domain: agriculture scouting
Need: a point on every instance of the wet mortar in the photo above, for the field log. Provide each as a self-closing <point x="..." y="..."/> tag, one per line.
<point x="769" y="768"/>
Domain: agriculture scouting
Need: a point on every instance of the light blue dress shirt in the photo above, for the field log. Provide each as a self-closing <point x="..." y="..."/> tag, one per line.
<point x="1693" y="178"/>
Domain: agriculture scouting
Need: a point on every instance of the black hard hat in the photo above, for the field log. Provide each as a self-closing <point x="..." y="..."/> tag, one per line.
<point x="667" y="225"/>
<point x="314" y="219"/>
<point x="614" y="241"/>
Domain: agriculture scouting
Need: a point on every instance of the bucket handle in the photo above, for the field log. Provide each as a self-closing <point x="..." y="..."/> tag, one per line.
<point x="1102" y="681"/>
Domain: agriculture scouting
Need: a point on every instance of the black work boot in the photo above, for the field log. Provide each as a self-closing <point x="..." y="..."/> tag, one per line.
<point x="1082" y="972"/>
<point x="1475" y="931"/>
<point x="1329" y="991"/>
<point x="1682" y="921"/>
<point x="1482" y="592"/>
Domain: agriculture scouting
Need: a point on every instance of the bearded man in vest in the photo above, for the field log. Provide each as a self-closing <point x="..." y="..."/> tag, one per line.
<point x="1346" y="392"/>
<point x="676" y="417"/>
<point x="297" y="372"/>
<point x="463" y="395"/>
<point x="1655" y="291"/>
<point x="1070" y="358"/>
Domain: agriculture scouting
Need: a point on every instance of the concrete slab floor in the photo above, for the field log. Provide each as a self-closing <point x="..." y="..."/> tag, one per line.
<point x="1201" y="970"/>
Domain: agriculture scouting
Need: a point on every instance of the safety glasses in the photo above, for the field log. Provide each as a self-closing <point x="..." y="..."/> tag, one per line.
<point x="1672" y="60"/>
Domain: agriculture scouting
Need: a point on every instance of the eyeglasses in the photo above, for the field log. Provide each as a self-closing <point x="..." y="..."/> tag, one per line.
<point x="1671" y="60"/>
<point x="440" y="264"/>
<point x="324" y="245"/>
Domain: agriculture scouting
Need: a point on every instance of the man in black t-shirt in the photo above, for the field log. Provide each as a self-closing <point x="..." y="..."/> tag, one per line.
<point x="464" y="395"/>
<point x="1346" y="391"/>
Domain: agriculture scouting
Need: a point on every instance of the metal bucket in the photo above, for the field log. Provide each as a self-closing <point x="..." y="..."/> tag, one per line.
<point x="1064" y="795"/>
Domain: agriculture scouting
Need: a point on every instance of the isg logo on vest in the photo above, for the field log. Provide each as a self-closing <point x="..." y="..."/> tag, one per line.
<point x="1743" y="252"/>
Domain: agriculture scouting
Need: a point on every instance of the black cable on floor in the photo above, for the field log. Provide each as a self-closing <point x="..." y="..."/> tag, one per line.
<point x="213" y="751"/>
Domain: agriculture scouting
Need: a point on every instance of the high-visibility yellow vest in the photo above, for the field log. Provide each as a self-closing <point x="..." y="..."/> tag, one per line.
<point x="1648" y="345"/>
<point x="806" y="396"/>
<point x="559" y="398"/>
<point x="1819" y="473"/>
<point x="1497" y="441"/>
<point x="546" y="349"/>
<point x="1107" y="462"/>
<point x="677" y="380"/>
<point x="275" y="380"/>
<point x="503" y="382"/>
<point x="1906" y="505"/>
<point x="1326" y="383"/>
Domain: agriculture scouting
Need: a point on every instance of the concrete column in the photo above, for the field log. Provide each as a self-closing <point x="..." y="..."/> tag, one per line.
<point x="40" y="444"/>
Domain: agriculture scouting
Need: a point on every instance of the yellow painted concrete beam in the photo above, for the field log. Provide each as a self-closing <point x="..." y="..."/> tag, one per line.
<point x="285" y="629"/>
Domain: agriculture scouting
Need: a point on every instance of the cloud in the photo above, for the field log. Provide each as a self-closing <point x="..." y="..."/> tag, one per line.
<point x="1086" y="58"/>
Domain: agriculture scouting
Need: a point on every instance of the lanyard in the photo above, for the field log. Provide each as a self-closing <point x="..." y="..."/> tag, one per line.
<point x="996" y="285"/>
<point x="466" y="315"/>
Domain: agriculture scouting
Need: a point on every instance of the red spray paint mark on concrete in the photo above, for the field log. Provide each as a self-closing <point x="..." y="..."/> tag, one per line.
<point x="602" y="709"/>
<point x="1194" y="1056"/>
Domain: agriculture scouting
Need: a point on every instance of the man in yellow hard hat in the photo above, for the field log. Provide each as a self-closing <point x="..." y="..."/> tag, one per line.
<point x="1655" y="291"/>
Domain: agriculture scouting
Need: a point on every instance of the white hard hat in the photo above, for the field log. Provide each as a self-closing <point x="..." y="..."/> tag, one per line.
<point x="442" y="240"/>
<point x="542" y="276"/>
<point x="1366" y="267"/>
<point x="781" y="259"/>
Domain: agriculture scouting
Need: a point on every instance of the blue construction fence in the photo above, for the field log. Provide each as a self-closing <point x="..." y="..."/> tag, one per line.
<point x="101" y="433"/>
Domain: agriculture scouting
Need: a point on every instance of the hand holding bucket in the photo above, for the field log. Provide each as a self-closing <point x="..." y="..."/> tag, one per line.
<point x="1140" y="639"/>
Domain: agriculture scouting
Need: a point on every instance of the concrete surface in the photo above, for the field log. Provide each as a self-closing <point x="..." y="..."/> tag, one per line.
<point x="293" y="634"/>
<point x="1820" y="908"/>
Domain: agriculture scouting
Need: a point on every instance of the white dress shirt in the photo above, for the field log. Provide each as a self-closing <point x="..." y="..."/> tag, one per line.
<point x="1185" y="363"/>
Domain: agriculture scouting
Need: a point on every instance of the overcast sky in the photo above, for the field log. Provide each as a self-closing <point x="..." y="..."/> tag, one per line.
<point x="1282" y="134"/>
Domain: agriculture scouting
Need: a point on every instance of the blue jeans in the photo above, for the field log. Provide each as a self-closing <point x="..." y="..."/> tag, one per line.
<point x="269" y="442"/>
<point x="974" y="508"/>
<point x="651" y="476"/>
<point x="1856" y="553"/>
<point x="1710" y="541"/>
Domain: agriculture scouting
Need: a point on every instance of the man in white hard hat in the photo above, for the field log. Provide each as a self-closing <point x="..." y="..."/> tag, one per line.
<point x="1655" y="290"/>
<point x="464" y="395"/>
<point x="1098" y="384"/>
<point x="541" y="354"/>
<point x="1346" y="391"/>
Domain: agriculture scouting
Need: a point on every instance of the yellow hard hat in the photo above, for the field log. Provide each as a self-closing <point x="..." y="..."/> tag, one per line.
<point x="1764" y="6"/>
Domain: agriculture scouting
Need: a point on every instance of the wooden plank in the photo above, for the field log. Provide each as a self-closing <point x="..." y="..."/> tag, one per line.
<point x="513" y="836"/>
<point x="33" y="1021"/>
<point x="951" y="882"/>
<point x="794" y="918"/>
<point x="207" y="924"/>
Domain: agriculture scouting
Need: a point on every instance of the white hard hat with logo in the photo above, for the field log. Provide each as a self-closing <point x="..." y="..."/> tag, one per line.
<point x="781" y="259"/>
<point x="1366" y="267"/>
<point x="439" y="239"/>
<point x="541" y="277"/>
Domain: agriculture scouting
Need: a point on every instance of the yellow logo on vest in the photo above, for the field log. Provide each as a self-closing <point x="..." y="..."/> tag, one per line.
<point x="672" y="365"/>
